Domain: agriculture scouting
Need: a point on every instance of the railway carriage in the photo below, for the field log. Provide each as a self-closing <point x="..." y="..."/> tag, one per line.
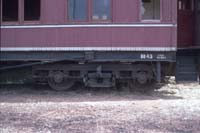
<point x="101" y="42"/>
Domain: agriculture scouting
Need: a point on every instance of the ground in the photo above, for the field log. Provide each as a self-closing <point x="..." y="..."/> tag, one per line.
<point x="166" y="108"/>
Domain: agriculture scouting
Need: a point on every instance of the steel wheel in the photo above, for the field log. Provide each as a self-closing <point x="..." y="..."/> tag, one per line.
<point x="58" y="82"/>
<point x="142" y="78"/>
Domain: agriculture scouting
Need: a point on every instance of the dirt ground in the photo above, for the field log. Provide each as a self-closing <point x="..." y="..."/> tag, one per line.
<point x="168" y="108"/>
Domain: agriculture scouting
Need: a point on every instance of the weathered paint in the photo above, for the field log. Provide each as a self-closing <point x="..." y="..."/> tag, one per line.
<point x="123" y="12"/>
<point x="197" y="23"/>
<point x="185" y="29"/>
<point x="88" y="37"/>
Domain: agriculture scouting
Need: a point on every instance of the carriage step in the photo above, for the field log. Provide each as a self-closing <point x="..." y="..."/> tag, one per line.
<point x="186" y="69"/>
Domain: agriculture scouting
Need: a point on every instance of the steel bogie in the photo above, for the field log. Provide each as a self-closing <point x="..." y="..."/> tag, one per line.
<point x="62" y="77"/>
<point x="96" y="80"/>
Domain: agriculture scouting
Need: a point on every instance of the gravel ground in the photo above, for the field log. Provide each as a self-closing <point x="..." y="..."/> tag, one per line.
<point x="168" y="108"/>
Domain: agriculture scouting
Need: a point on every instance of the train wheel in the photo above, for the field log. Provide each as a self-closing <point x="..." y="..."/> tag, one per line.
<point x="58" y="82"/>
<point x="142" y="78"/>
<point x="141" y="82"/>
<point x="64" y="85"/>
<point x="135" y="86"/>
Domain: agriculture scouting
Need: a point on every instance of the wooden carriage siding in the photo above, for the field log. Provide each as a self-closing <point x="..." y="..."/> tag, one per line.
<point x="124" y="30"/>
<point x="127" y="11"/>
<point x="188" y="24"/>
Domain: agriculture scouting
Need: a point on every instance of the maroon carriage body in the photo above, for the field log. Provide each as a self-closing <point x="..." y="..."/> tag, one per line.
<point x="124" y="31"/>
<point x="139" y="40"/>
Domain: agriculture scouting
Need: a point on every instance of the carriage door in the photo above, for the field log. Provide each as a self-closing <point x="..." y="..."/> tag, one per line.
<point x="197" y="20"/>
<point x="185" y="23"/>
